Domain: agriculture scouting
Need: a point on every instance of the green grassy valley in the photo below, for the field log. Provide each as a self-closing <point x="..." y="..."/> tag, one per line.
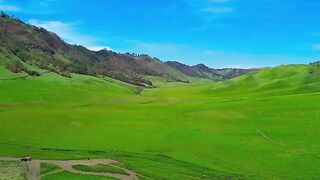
<point x="263" y="125"/>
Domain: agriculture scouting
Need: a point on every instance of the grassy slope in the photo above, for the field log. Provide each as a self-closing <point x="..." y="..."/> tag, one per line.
<point x="48" y="168"/>
<point x="72" y="176"/>
<point x="263" y="124"/>
<point x="289" y="79"/>
<point x="101" y="168"/>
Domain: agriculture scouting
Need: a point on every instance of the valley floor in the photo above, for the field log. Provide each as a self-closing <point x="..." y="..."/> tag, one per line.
<point x="34" y="169"/>
<point x="233" y="129"/>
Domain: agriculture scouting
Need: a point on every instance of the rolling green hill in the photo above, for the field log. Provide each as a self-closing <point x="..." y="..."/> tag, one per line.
<point x="286" y="79"/>
<point x="263" y="125"/>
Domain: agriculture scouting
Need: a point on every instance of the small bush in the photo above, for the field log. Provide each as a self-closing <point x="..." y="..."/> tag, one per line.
<point x="138" y="90"/>
<point x="32" y="73"/>
<point x="16" y="67"/>
<point x="65" y="74"/>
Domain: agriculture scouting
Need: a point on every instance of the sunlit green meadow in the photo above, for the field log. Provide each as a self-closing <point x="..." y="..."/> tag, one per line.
<point x="264" y="125"/>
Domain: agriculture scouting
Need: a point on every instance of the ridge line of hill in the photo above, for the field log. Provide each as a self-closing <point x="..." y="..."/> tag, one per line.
<point x="23" y="44"/>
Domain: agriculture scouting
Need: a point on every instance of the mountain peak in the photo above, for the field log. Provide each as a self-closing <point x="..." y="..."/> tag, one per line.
<point x="201" y="66"/>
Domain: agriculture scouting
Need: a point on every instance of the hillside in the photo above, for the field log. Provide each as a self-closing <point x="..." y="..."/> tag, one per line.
<point x="41" y="48"/>
<point x="38" y="47"/>
<point x="202" y="71"/>
<point x="285" y="79"/>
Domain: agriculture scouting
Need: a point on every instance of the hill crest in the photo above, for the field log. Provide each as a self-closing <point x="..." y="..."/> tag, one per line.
<point x="39" y="47"/>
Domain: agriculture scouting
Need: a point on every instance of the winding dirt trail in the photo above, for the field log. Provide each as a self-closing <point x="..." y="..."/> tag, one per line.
<point x="34" y="167"/>
<point x="287" y="146"/>
<point x="265" y="136"/>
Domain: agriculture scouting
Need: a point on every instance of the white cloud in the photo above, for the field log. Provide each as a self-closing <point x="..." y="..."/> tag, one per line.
<point x="7" y="7"/>
<point x="218" y="10"/>
<point x="316" y="47"/>
<point x="34" y="7"/>
<point x="218" y="1"/>
<point x="97" y="48"/>
<point x="210" y="13"/>
<point x="69" y="33"/>
<point x="209" y="6"/>
<point x="56" y="26"/>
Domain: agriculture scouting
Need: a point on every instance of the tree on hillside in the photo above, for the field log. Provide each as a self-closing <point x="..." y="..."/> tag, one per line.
<point x="4" y="15"/>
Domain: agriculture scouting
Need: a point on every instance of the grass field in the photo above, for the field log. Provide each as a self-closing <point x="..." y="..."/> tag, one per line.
<point x="48" y="168"/>
<point x="71" y="176"/>
<point x="49" y="171"/>
<point x="264" y="125"/>
<point x="101" y="168"/>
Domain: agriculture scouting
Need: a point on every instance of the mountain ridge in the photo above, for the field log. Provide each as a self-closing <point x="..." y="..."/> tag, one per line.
<point x="39" y="47"/>
<point x="202" y="71"/>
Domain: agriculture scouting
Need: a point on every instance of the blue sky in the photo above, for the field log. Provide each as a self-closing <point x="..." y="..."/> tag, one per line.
<point x="218" y="33"/>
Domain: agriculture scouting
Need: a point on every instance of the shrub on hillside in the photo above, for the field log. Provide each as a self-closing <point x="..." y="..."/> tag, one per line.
<point x="16" y="67"/>
<point x="65" y="74"/>
<point x="138" y="90"/>
<point x="32" y="72"/>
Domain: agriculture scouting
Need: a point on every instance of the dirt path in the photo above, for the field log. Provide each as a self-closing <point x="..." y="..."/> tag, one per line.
<point x="68" y="166"/>
<point x="264" y="135"/>
<point x="287" y="146"/>
<point x="34" y="170"/>
<point x="34" y="167"/>
<point x="9" y="159"/>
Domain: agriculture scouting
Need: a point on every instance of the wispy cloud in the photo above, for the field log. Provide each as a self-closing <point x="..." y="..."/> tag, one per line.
<point x="8" y="7"/>
<point x="316" y="47"/>
<point x="218" y="1"/>
<point x="211" y="6"/>
<point x="34" y="7"/>
<point x="69" y="33"/>
<point x="210" y="13"/>
<point x="217" y="10"/>
<point x="216" y="7"/>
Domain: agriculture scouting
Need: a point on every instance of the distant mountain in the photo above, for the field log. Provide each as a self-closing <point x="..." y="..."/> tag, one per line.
<point x="315" y="63"/>
<point x="203" y="71"/>
<point x="38" y="47"/>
